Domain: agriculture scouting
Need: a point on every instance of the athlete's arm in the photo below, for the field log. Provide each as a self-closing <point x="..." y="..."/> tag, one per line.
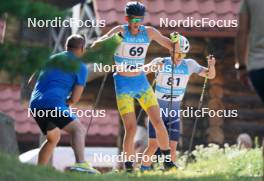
<point x="155" y="65"/>
<point x="113" y="31"/>
<point x="76" y="94"/>
<point x="149" y="68"/>
<point x="242" y="44"/>
<point x="210" y="71"/>
<point x="242" y="35"/>
<point x="155" y="35"/>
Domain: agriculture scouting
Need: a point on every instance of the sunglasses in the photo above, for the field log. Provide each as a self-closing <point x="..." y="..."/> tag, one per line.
<point x="136" y="20"/>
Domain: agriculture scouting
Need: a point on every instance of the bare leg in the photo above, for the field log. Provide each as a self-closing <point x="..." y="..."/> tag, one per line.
<point x="46" y="150"/>
<point x="129" y="121"/>
<point x="160" y="129"/>
<point x="150" y="150"/>
<point x="173" y="147"/>
<point x="77" y="132"/>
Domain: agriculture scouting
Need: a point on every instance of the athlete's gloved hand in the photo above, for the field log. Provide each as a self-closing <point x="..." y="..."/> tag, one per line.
<point x="211" y="60"/>
<point x="175" y="36"/>
<point x="157" y="64"/>
<point x="158" y="60"/>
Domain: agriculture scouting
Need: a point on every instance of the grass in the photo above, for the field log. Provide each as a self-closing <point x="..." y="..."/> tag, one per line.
<point x="211" y="164"/>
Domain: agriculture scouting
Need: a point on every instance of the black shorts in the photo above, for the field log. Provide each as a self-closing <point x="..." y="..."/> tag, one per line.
<point x="50" y="120"/>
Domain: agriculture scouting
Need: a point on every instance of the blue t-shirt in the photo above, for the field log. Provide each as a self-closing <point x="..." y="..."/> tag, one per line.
<point x="56" y="81"/>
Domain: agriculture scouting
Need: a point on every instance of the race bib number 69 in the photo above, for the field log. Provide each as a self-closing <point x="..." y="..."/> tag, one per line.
<point x="134" y="50"/>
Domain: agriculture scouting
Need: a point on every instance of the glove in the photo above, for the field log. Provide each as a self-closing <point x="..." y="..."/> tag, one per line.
<point x="158" y="60"/>
<point x="174" y="36"/>
<point x="103" y="51"/>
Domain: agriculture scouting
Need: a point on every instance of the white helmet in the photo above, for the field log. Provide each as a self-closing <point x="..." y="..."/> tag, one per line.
<point x="184" y="44"/>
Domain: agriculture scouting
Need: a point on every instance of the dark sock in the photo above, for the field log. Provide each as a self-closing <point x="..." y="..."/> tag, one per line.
<point x="167" y="162"/>
<point x="165" y="152"/>
<point x="129" y="166"/>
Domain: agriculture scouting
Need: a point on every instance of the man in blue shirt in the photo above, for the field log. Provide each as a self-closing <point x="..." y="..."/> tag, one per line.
<point x="59" y="85"/>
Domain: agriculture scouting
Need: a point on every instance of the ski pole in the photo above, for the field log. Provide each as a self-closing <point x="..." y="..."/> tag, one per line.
<point x="197" y="118"/>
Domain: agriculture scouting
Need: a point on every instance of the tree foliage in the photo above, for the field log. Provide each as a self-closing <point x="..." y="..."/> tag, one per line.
<point x="17" y="58"/>
<point x="23" y="9"/>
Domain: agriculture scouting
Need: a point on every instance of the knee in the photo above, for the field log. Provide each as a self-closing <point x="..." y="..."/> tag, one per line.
<point x="53" y="136"/>
<point x="131" y="131"/>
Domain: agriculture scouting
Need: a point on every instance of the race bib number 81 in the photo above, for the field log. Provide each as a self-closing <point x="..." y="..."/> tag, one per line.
<point x="166" y="81"/>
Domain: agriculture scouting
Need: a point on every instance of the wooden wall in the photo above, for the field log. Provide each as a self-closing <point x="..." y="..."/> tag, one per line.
<point x="224" y="93"/>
